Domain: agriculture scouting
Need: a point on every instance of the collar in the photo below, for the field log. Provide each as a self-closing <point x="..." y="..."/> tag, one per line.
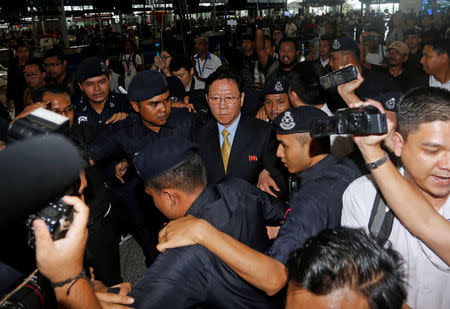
<point x="208" y="56"/>
<point x="317" y="169"/>
<point x="232" y="129"/>
<point x="208" y="195"/>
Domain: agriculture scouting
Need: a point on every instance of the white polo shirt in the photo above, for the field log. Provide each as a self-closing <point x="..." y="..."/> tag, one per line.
<point x="206" y="67"/>
<point x="427" y="286"/>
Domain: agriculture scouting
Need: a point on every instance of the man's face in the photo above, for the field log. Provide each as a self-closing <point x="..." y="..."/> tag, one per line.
<point x="33" y="75"/>
<point x="247" y="45"/>
<point x="324" y="48"/>
<point x="184" y="75"/>
<point x="96" y="88"/>
<point x="338" y="60"/>
<point x="395" y="58"/>
<point x="412" y="41"/>
<point x="287" y="53"/>
<point x="292" y="153"/>
<point x="59" y="103"/>
<point x="275" y="104"/>
<point x="201" y="45"/>
<point x="298" y="298"/>
<point x="154" y="111"/>
<point x="54" y="67"/>
<point x="432" y="62"/>
<point x="225" y="101"/>
<point x="22" y="53"/>
<point x="426" y="157"/>
<point x="129" y="47"/>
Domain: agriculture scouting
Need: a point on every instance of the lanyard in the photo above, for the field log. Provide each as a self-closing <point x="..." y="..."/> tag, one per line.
<point x="203" y="68"/>
<point x="127" y="61"/>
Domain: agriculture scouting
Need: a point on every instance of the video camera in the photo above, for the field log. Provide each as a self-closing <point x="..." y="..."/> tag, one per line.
<point x="336" y="78"/>
<point x="364" y="120"/>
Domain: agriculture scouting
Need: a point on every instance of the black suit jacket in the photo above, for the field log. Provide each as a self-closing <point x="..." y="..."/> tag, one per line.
<point x="253" y="149"/>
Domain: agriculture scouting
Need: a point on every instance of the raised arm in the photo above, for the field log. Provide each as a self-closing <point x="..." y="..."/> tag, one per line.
<point x="260" y="47"/>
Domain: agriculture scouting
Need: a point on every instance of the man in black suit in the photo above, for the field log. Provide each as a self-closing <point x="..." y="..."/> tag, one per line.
<point x="231" y="145"/>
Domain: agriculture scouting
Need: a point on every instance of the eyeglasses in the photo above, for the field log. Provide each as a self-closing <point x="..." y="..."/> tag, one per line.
<point x="30" y="75"/>
<point x="165" y="57"/>
<point x="227" y="100"/>
<point x="65" y="111"/>
<point x="51" y="65"/>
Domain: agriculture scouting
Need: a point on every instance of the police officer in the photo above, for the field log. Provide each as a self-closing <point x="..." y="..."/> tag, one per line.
<point x="98" y="104"/>
<point x="175" y="177"/>
<point x="153" y="118"/>
<point x="276" y="100"/>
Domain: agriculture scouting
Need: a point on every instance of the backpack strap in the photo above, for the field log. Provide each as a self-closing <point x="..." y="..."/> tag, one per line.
<point x="381" y="221"/>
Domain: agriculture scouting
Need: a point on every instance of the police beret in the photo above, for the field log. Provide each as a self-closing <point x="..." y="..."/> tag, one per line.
<point x="146" y="85"/>
<point x="162" y="155"/>
<point x="297" y="120"/>
<point x="276" y="87"/>
<point x="389" y="100"/>
<point x="340" y="44"/>
<point x="176" y="88"/>
<point x="90" y="67"/>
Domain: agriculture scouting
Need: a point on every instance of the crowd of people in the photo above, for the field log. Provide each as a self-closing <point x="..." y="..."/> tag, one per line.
<point x="208" y="161"/>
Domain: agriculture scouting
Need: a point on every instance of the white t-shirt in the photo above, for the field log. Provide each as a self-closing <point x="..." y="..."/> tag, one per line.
<point x="435" y="83"/>
<point x="129" y="67"/>
<point x="377" y="58"/>
<point x="427" y="286"/>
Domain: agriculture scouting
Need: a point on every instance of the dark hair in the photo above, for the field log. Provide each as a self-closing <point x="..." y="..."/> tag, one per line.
<point x="182" y="62"/>
<point x="35" y="61"/>
<point x="349" y="258"/>
<point x="304" y="81"/>
<point x="54" y="52"/>
<point x="441" y="46"/>
<point x="293" y="41"/>
<point x="187" y="177"/>
<point x="223" y="73"/>
<point x="22" y="44"/>
<point x="132" y="43"/>
<point x="355" y="52"/>
<point x="247" y="37"/>
<point x="52" y="88"/>
<point x="422" y="105"/>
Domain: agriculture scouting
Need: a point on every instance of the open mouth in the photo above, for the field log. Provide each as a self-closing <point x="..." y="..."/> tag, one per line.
<point x="444" y="181"/>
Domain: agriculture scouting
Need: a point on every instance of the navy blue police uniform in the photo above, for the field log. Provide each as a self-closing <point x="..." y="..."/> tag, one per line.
<point x="122" y="140"/>
<point x="317" y="205"/>
<point x="189" y="276"/>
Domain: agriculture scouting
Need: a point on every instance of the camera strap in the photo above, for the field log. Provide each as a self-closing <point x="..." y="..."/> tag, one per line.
<point x="381" y="221"/>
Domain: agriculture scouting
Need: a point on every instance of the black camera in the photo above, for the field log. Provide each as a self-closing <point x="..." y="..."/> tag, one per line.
<point x="336" y="78"/>
<point x="36" y="293"/>
<point x="38" y="122"/>
<point x="372" y="39"/>
<point x="364" y="120"/>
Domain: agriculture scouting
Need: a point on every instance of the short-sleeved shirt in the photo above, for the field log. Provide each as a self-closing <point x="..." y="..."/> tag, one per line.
<point x="316" y="206"/>
<point x="187" y="276"/>
<point x="427" y="286"/>
<point x="115" y="103"/>
<point x="206" y="67"/>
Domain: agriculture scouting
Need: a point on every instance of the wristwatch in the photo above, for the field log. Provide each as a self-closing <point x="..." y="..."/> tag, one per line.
<point x="378" y="163"/>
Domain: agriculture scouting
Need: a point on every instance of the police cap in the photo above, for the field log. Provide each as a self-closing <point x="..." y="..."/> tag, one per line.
<point x="162" y="155"/>
<point x="276" y="87"/>
<point x="297" y="120"/>
<point x="146" y="85"/>
<point x="90" y="67"/>
<point x="389" y="100"/>
<point x="341" y="44"/>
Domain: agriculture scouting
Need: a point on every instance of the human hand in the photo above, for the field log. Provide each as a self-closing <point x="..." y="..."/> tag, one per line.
<point x="9" y="106"/>
<point x="265" y="182"/>
<point x="347" y="90"/>
<point x="261" y="114"/>
<point x="189" y="106"/>
<point x="62" y="259"/>
<point x="120" y="169"/>
<point x="30" y="108"/>
<point x="116" y="117"/>
<point x="186" y="231"/>
<point x="157" y="61"/>
<point x="113" y="300"/>
<point x="361" y="37"/>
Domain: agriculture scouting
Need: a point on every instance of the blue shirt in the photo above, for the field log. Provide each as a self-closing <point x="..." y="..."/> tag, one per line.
<point x="231" y="129"/>
<point x="187" y="276"/>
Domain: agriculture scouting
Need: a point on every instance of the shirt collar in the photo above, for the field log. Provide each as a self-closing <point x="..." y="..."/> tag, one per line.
<point x="317" y="169"/>
<point x="208" y="56"/>
<point x="232" y="129"/>
<point x="208" y="195"/>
